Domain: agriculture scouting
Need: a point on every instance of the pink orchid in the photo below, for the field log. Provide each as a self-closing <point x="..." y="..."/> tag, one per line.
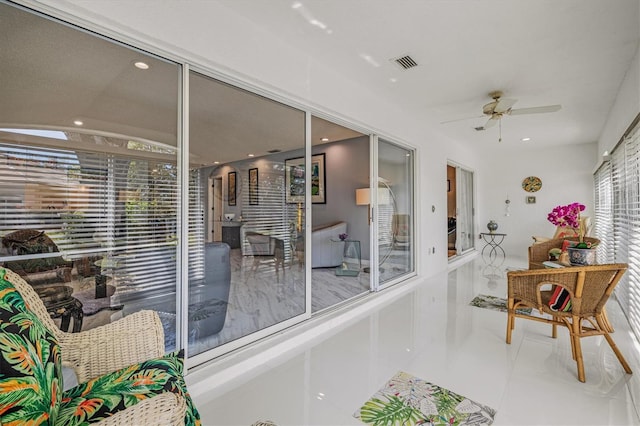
<point x="568" y="216"/>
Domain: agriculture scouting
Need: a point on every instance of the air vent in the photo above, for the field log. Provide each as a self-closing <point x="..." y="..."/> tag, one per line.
<point x="405" y="62"/>
<point x="479" y="128"/>
<point x="273" y="151"/>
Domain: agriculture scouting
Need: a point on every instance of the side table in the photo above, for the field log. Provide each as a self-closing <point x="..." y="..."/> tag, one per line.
<point x="493" y="240"/>
<point x="351" y="258"/>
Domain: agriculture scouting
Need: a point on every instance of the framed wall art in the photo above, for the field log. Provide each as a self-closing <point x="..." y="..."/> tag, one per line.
<point x="295" y="180"/>
<point x="231" y="188"/>
<point x="253" y="187"/>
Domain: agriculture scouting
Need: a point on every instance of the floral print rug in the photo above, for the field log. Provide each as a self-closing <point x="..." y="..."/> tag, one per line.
<point x="495" y="303"/>
<point x="408" y="400"/>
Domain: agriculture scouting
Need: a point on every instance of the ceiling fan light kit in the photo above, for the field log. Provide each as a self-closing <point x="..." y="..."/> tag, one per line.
<point x="501" y="107"/>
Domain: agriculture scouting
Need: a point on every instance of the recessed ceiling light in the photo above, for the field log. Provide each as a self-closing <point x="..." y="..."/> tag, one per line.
<point x="141" y="65"/>
<point x="325" y="139"/>
<point x="525" y="139"/>
<point x="216" y="162"/>
<point x="250" y="155"/>
<point x="78" y="122"/>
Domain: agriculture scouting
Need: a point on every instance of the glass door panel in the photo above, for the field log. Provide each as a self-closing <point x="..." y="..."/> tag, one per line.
<point x="395" y="211"/>
<point x="464" y="201"/>
<point x="248" y="153"/>
<point x="88" y="168"/>
<point x="342" y="158"/>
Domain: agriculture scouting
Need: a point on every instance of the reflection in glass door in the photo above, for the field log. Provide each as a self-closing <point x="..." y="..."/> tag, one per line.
<point x="395" y="212"/>
<point x="250" y="281"/>
<point x="464" y="202"/>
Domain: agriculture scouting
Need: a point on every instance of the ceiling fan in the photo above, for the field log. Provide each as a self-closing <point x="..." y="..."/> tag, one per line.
<point x="501" y="107"/>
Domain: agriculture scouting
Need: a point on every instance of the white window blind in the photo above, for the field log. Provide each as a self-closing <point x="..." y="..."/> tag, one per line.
<point x="617" y="195"/>
<point x="115" y="210"/>
<point x="603" y="229"/>
<point x="632" y="187"/>
<point x="270" y="214"/>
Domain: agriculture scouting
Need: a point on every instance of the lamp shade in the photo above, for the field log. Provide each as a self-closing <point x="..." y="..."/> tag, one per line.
<point x="363" y="197"/>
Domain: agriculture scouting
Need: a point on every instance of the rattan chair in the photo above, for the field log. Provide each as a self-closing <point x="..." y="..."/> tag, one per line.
<point x="108" y="348"/>
<point x="539" y="252"/>
<point x="589" y="288"/>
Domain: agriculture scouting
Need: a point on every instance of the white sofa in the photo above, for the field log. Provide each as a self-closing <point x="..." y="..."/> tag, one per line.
<point x="324" y="252"/>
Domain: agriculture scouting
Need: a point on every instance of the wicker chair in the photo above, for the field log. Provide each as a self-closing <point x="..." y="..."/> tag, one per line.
<point x="105" y="349"/>
<point x="589" y="288"/>
<point x="539" y="252"/>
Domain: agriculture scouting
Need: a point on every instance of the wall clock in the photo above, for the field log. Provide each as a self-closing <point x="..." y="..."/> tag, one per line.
<point x="531" y="184"/>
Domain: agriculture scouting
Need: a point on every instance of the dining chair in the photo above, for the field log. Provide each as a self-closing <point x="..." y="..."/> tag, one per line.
<point x="266" y="249"/>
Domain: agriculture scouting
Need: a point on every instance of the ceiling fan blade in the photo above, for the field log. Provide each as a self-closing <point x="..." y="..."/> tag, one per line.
<point x="461" y="119"/>
<point x="535" y="110"/>
<point x="504" y="105"/>
<point x="491" y="122"/>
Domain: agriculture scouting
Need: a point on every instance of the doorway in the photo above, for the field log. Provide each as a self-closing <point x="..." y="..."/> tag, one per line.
<point x="460" y="210"/>
<point x="451" y="211"/>
<point x="214" y="201"/>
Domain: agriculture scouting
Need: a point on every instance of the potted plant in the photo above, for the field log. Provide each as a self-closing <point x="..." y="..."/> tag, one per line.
<point x="568" y="216"/>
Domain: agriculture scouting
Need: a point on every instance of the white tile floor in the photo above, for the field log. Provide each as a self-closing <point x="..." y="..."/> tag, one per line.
<point x="431" y="331"/>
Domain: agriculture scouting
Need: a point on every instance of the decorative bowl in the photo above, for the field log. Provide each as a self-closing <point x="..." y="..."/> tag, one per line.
<point x="579" y="256"/>
<point x="229" y="216"/>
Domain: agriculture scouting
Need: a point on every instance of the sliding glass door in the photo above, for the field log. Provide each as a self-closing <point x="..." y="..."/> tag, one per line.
<point x="88" y="168"/>
<point x="249" y="277"/>
<point x="130" y="181"/>
<point x="394" y="212"/>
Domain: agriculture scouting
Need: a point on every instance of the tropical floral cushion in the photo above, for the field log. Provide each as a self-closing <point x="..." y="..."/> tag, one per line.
<point x="30" y="364"/>
<point x="101" y="397"/>
<point x="31" y="375"/>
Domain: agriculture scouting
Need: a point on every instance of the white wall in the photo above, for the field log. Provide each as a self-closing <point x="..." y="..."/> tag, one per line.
<point x="624" y="110"/>
<point x="566" y="174"/>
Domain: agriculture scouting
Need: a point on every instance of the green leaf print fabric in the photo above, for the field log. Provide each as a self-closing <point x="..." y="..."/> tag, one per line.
<point x="30" y="364"/>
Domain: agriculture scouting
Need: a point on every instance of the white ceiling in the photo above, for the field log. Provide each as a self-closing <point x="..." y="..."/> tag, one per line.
<point x="541" y="52"/>
<point x="53" y="75"/>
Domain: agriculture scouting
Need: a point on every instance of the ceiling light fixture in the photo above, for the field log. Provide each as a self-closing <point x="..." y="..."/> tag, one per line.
<point x="325" y="139"/>
<point x="141" y="65"/>
<point x="78" y="122"/>
<point x="525" y="139"/>
<point x="250" y="155"/>
<point x="216" y="162"/>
